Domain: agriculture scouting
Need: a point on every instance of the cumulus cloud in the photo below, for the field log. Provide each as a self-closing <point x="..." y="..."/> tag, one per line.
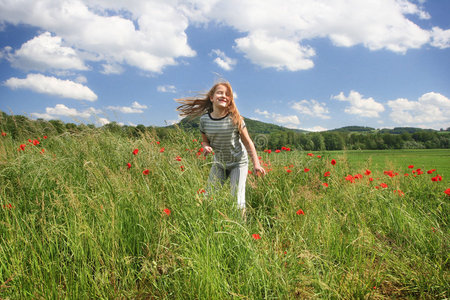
<point x="289" y="120"/>
<point x="364" y="107"/>
<point x="311" y="108"/>
<point x="60" y="110"/>
<point x="135" y="108"/>
<point x="52" y="86"/>
<point x="166" y="89"/>
<point x="223" y="61"/>
<point x="430" y="109"/>
<point x="151" y="34"/>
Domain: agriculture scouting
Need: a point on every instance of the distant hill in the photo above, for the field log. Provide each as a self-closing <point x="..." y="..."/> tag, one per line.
<point x="353" y="129"/>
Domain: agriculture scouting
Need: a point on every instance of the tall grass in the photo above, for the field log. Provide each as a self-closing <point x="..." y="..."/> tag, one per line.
<point x="75" y="222"/>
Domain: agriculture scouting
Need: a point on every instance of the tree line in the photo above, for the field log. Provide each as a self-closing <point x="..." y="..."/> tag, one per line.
<point x="265" y="136"/>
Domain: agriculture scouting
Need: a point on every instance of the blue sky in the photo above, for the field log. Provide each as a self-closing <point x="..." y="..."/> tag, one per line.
<point x="307" y="64"/>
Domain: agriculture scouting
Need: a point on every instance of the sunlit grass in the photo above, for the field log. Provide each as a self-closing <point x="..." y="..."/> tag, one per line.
<point x="76" y="222"/>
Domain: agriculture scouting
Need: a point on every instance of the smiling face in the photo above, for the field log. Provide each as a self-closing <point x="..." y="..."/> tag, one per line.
<point x="221" y="98"/>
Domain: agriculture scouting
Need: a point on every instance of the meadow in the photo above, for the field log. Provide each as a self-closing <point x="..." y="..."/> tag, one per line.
<point x="97" y="215"/>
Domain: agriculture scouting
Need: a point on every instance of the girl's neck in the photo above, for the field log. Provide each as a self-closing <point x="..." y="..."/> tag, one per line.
<point x="217" y="114"/>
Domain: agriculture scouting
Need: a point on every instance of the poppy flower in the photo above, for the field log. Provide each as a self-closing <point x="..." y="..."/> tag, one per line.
<point x="383" y="185"/>
<point x="157" y="142"/>
<point x="431" y="171"/>
<point x="162" y="150"/>
<point x="36" y="142"/>
<point x="146" y="172"/>
<point x="250" y="172"/>
<point x="44" y="137"/>
<point x="135" y="151"/>
<point x="306" y="170"/>
<point x="256" y="236"/>
<point x="288" y="170"/>
<point x="128" y="165"/>
<point x="370" y="179"/>
<point x="3" y="133"/>
<point x="333" y="162"/>
<point x="22" y="147"/>
<point x="167" y="211"/>
<point x="310" y="154"/>
<point x="201" y="191"/>
<point x="325" y="184"/>
<point x="182" y="168"/>
<point x="300" y="212"/>
<point x="319" y="156"/>
<point x="437" y="178"/>
<point x="327" y="174"/>
<point x="447" y="191"/>
<point x="178" y="158"/>
<point x="350" y="178"/>
<point x="411" y="166"/>
<point x="277" y="151"/>
<point x="368" y="172"/>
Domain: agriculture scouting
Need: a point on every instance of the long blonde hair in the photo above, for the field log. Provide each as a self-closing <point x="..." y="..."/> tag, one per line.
<point x="195" y="106"/>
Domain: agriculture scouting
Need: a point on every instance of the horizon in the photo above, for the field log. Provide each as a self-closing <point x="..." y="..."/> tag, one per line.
<point x="308" y="65"/>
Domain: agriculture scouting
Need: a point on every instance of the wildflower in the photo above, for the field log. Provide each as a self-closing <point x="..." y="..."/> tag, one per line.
<point x="350" y="178"/>
<point x="325" y="184"/>
<point x="250" y="172"/>
<point x="333" y="162"/>
<point x="162" y="150"/>
<point x="310" y="154"/>
<point x="36" y="142"/>
<point x="327" y="174"/>
<point x="256" y="236"/>
<point x="167" y="211"/>
<point x="368" y="172"/>
<point x="146" y="172"/>
<point x="447" y="191"/>
<point x="319" y="156"/>
<point x="383" y="185"/>
<point x="128" y="165"/>
<point x="182" y="168"/>
<point x="178" y="158"/>
<point x="411" y="166"/>
<point x="277" y="151"/>
<point x="358" y="176"/>
<point x="22" y="147"/>
<point x="288" y="170"/>
<point x="306" y="170"/>
<point x="400" y="193"/>
<point x="431" y="171"/>
<point x="157" y="142"/>
<point x="419" y="172"/>
<point x="437" y="178"/>
<point x="135" y="151"/>
<point x="201" y="191"/>
<point x="370" y="179"/>
<point x="44" y="137"/>
<point x="300" y="212"/>
<point x="3" y="133"/>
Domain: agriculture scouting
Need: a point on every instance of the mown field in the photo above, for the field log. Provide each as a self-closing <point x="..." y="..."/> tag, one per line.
<point x="95" y="215"/>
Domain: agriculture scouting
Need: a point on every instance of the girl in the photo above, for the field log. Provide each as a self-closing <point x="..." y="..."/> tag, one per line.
<point x="224" y="132"/>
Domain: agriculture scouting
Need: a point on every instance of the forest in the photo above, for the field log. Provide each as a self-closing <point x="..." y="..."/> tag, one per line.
<point x="264" y="135"/>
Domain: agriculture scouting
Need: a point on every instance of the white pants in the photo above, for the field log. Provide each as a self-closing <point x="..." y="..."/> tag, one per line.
<point x="237" y="172"/>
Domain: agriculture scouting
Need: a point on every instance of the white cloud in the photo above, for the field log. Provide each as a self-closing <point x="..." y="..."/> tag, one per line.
<point x="364" y="107"/>
<point x="315" y="128"/>
<point x="264" y="113"/>
<point x="223" y="61"/>
<point x="432" y="109"/>
<point x="135" y="108"/>
<point x="64" y="111"/>
<point x="52" y="86"/>
<point x="440" y="38"/>
<point x="151" y="34"/>
<point x="290" y="121"/>
<point x="166" y="89"/>
<point x="45" y="52"/>
<point x="311" y="108"/>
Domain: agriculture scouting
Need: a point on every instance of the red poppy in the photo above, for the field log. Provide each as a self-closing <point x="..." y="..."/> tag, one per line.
<point x="310" y="154"/>
<point x="146" y="172"/>
<point x="383" y="185"/>
<point x="333" y="162"/>
<point x="288" y="170"/>
<point x="128" y="165"/>
<point x="36" y="142"/>
<point x="368" y="172"/>
<point x="437" y="178"/>
<point x="325" y="184"/>
<point x="431" y="171"/>
<point x="327" y="174"/>
<point x="447" y="191"/>
<point x="358" y="176"/>
<point x="201" y="191"/>
<point x="135" y="151"/>
<point x="256" y="236"/>
<point x="3" y="133"/>
<point x="306" y="170"/>
<point x="157" y="142"/>
<point x="400" y="193"/>
<point x="167" y="211"/>
<point x="350" y="178"/>
<point x="370" y="179"/>
<point x="411" y="166"/>
<point x="300" y="212"/>
<point x="45" y="137"/>
<point x="419" y="172"/>
<point x="178" y="158"/>
<point x="162" y="150"/>
<point x="250" y="172"/>
<point x="22" y="147"/>
<point x="277" y="151"/>
<point x="182" y="168"/>
<point x="319" y="156"/>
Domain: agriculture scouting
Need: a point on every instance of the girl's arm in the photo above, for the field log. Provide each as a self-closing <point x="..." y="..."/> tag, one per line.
<point x="205" y="144"/>
<point x="248" y="143"/>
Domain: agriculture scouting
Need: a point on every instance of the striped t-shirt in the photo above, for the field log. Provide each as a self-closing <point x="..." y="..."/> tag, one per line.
<point x="224" y="138"/>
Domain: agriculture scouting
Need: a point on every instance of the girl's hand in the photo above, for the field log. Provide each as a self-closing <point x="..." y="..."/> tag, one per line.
<point x="258" y="170"/>
<point x="208" y="149"/>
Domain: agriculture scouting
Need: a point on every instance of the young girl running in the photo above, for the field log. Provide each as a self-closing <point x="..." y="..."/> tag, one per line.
<point x="224" y="132"/>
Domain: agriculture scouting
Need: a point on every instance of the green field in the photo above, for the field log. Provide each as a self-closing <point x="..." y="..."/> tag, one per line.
<point x="78" y="222"/>
<point x="399" y="160"/>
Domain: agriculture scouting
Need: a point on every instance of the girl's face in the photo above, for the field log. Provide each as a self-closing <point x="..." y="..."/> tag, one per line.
<point x="221" y="97"/>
